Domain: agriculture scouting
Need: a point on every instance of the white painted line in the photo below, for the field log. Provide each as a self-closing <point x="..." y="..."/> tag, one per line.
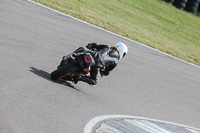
<point x="193" y="131"/>
<point x="114" y="34"/>
<point x="91" y="124"/>
<point x="149" y="127"/>
<point x="107" y="127"/>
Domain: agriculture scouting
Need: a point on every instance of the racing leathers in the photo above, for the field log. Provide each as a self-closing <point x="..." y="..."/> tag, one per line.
<point x="106" y="59"/>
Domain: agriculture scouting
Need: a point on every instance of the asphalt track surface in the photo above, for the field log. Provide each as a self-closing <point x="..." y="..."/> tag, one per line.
<point x="33" y="39"/>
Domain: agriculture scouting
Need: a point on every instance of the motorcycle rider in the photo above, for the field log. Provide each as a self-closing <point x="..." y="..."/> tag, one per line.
<point x="106" y="59"/>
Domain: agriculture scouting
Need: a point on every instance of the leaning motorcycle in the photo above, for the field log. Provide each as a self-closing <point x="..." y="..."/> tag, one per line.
<point x="77" y="64"/>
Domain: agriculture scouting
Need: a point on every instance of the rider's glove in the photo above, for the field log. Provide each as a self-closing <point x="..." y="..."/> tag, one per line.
<point x="91" y="45"/>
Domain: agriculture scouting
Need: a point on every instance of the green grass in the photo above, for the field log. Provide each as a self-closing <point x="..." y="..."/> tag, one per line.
<point x="151" y="22"/>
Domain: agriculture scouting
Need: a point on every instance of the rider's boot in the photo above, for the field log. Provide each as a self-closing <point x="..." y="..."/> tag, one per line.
<point x="86" y="79"/>
<point x="76" y="79"/>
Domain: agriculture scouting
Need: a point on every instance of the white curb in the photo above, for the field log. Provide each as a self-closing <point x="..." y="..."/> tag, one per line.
<point x="89" y="128"/>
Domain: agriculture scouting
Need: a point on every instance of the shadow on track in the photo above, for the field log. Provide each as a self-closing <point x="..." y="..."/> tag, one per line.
<point x="46" y="76"/>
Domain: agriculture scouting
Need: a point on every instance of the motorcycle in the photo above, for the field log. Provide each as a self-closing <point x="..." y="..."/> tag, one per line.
<point x="77" y="64"/>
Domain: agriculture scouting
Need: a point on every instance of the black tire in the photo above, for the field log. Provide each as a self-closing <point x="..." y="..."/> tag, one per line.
<point x="169" y="1"/>
<point x="182" y="1"/>
<point x="197" y="1"/>
<point x="192" y="4"/>
<point x="179" y="5"/>
<point x="198" y="10"/>
<point x="191" y="9"/>
<point x="64" y="70"/>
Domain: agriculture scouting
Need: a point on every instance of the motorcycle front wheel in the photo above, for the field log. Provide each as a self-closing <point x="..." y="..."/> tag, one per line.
<point x="65" y="70"/>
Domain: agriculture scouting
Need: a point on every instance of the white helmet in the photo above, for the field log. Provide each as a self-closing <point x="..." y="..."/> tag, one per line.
<point x="123" y="49"/>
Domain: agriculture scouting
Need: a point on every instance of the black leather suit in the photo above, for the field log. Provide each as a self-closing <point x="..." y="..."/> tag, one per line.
<point x="106" y="57"/>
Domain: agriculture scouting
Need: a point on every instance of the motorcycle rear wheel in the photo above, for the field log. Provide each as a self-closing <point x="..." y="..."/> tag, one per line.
<point x="65" y="70"/>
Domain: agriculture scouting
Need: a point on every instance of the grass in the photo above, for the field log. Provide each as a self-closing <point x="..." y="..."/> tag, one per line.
<point x="151" y="22"/>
